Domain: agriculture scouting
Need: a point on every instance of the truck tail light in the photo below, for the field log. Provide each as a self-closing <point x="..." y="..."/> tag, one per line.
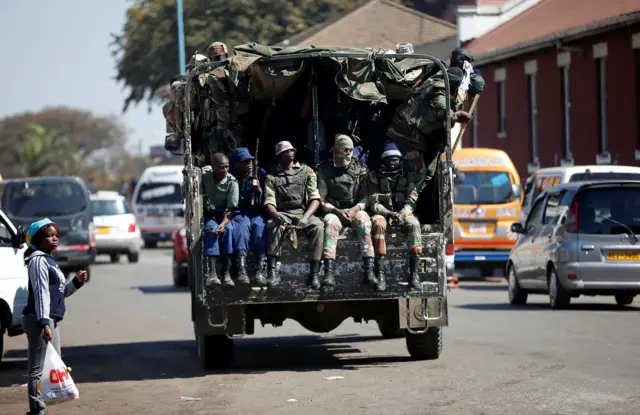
<point x="571" y="225"/>
<point x="450" y="249"/>
<point x="132" y="228"/>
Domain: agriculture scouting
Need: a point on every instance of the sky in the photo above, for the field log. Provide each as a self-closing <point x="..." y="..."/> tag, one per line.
<point x="57" y="53"/>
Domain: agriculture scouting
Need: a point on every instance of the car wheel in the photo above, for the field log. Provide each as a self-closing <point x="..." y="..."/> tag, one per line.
<point x="180" y="279"/>
<point x="559" y="297"/>
<point x="624" y="299"/>
<point x="133" y="257"/>
<point x="115" y="258"/>
<point x="517" y="296"/>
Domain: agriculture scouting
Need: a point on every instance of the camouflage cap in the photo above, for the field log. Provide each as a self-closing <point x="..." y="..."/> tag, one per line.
<point x="404" y="49"/>
<point x="197" y="59"/>
<point x="343" y="141"/>
<point x="283" y="146"/>
<point x="215" y="50"/>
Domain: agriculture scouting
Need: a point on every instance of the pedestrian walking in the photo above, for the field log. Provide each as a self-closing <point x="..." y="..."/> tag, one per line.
<point x="45" y="307"/>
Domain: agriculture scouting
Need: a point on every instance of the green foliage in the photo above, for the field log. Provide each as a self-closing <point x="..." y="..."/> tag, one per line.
<point x="43" y="151"/>
<point x="146" y="51"/>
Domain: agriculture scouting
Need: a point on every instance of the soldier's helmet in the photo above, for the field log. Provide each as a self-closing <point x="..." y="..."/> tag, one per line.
<point x="196" y="59"/>
<point x="404" y="49"/>
<point x="217" y="51"/>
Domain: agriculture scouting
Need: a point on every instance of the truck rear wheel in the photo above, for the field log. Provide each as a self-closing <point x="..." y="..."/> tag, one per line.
<point x="425" y="346"/>
<point x="390" y="332"/>
<point x="215" y="352"/>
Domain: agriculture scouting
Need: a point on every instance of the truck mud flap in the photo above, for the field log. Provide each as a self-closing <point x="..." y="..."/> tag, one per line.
<point x="417" y="315"/>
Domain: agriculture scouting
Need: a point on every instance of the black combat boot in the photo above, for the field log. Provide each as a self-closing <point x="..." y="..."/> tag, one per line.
<point x="273" y="279"/>
<point x="314" y="277"/>
<point x="226" y="272"/>
<point x="243" y="277"/>
<point x="380" y="268"/>
<point x="209" y="265"/>
<point x="259" y="279"/>
<point x="415" y="278"/>
<point x="330" y="267"/>
<point x="369" y="276"/>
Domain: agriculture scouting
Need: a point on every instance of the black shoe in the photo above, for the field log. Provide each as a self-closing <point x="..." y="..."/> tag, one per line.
<point x="314" y="278"/>
<point x="415" y="277"/>
<point x="273" y="279"/>
<point x="369" y="276"/>
<point x="329" y="280"/>
<point x="209" y="265"/>
<point x="381" y="282"/>
<point x="227" y="282"/>
<point x="243" y="277"/>
<point x="259" y="278"/>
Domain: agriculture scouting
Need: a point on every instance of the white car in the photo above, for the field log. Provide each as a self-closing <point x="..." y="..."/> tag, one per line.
<point x="117" y="231"/>
<point x="14" y="281"/>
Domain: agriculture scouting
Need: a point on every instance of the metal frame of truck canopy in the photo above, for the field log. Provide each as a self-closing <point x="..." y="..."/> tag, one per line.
<point x="194" y="205"/>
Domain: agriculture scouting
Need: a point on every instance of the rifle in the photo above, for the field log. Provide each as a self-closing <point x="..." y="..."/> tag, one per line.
<point x="255" y="180"/>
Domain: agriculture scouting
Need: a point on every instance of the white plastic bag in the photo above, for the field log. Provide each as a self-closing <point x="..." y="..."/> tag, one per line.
<point x="56" y="385"/>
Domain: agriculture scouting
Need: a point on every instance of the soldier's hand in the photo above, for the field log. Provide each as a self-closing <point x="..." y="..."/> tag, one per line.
<point x="353" y="212"/>
<point x="282" y="220"/>
<point x="221" y="227"/>
<point x="396" y="217"/>
<point x="344" y="217"/>
<point x="462" y="117"/>
<point x="304" y="221"/>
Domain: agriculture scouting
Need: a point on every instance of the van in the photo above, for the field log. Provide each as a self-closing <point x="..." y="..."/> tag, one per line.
<point x="157" y="203"/>
<point x="546" y="178"/>
<point x="64" y="200"/>
<point x="486" y="201"/>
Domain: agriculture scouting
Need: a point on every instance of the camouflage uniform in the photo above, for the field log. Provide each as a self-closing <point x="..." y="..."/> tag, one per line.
<point x="290" y="192"/>
<point x="395" y="192"/>
<point x="199" y="144"/>
<point x="173" y="114"/>
<point x="341" y="183"/>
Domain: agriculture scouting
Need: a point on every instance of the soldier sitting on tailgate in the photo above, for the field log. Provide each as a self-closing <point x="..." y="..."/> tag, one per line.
<point x="221" y="203"/>
<point x="393" y="197"/>
<point x="291" y="198"/>
<point x="341" y="183"/>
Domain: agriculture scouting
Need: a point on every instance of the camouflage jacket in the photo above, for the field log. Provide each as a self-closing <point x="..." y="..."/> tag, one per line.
<point x="387" y="196"/>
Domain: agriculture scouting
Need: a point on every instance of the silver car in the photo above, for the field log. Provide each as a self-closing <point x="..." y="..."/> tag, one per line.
<point x="578" y="239"/>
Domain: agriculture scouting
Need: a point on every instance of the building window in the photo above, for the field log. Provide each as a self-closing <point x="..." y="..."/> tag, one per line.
<point x="474" y="128"/>
<point x="530" y="69"/>
<point x="600" y="56"/>
<point x="636" y="55"/>
<point x="566" y="107"/>
<point x="500" y="77"/>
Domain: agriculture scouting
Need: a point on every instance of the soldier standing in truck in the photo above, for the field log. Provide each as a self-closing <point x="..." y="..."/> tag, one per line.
<point x="393" y="198"/>
<point x="341" y="184"/>
<point x="292" y="198"/>
<point x="249" y="225"/>
<point x="221" y="190"/>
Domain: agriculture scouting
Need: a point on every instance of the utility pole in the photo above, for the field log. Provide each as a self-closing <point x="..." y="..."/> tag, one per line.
<point x="180" y="20"/>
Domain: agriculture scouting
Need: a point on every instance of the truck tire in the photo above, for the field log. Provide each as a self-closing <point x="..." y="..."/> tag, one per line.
<point x="425" y="346"/>
<point x="1" y="341"/>
<point x="389" y="332"/>
<point x="180" y="278"/>
<point x="624" y="299"/>
<point x="215" y="351"/>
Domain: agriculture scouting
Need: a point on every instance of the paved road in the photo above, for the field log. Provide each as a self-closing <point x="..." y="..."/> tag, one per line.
<point x="129" y="340"/>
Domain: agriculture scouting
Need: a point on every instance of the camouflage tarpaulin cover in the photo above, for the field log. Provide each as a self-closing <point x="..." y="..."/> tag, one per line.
<point x="363" y="79"/>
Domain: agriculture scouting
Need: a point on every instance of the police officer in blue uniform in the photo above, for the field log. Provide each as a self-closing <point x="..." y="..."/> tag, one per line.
<point x="249" y="223"/>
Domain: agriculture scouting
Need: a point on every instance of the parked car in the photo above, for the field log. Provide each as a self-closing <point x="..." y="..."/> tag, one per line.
<point x="546" y="178"/>
<point x="180" y="256"/>
<point x="14" y="281"/>
<point x="64" y="200"/>
<point x="578" y="239"/>
<point x="117" y="232"/>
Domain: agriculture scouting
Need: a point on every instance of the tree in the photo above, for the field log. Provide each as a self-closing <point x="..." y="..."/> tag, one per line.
<point x="146" y="51"/>
<point x="43" y="151"/>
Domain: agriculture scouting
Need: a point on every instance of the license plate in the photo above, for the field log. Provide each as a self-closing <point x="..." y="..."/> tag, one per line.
<point x="623" y="255"/>
<point x="102" y="230"/>
<point x="477" y="228"/>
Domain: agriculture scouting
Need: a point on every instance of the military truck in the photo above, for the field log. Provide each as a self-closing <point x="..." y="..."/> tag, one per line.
<point x="306" y="95"/>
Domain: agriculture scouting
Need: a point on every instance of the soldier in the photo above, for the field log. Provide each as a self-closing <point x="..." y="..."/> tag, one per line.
<point x="394" y="194"/>
<point x="217" y="51"/>
<point x="221" y="191"/>
<point x="341" y="184"/>
<point x="249" y="231"/>
<point x="458" y="58"/>
<point x="420" y="136"/>
<point x="196" y="59"/>
<point x="172" y="111"/>
<point x="291" y="198"/>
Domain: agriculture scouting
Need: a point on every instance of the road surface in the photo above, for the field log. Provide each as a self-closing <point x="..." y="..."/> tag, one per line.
<point x="128" y="337"/>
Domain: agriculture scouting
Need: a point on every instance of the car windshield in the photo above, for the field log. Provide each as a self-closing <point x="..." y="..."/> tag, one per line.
<point x="159" y="193"/>
<point x="580" y="177"/>
<point x="483" y="187"/>
<point x="40" y="199"/>
<point x="109" y="207"/>
<point x="609" y="211"/>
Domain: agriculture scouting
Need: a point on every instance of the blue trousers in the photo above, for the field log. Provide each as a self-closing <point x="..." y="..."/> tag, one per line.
<point x="249" y="231"/>
<point x="215" y="243"/>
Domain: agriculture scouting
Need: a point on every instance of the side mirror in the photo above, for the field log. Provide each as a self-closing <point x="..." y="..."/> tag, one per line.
<point x="517" y="191"/>
<point x="173" y="144"/>
<point x="517" y="227"/>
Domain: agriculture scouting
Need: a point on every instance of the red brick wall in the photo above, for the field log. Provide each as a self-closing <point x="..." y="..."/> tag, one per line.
<point x="622" y="105"/>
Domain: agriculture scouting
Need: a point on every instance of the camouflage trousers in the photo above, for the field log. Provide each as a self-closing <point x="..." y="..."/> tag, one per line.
<point x="314" y="231"/>
<point x="333" y="227"/>
<point x="411" y="228"/>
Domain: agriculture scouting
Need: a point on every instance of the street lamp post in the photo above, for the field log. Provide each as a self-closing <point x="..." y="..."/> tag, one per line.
<point x="181" y="56"/>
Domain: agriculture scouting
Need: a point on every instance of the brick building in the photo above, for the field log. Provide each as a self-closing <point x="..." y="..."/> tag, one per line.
<point x="562" y="85"/>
